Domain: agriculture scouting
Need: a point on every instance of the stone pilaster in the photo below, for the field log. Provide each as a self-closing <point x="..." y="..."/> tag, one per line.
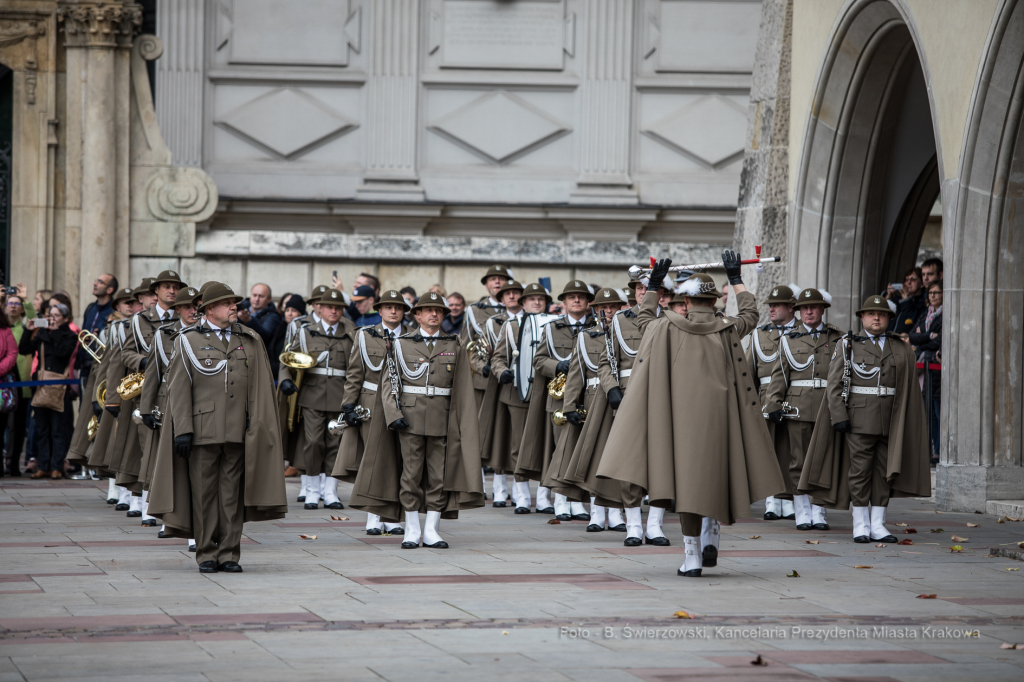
<point x="761" y="215"/>
<point x="180" y="25"/>
<point x="605" y="99"/>
<point x="391" y="111"/>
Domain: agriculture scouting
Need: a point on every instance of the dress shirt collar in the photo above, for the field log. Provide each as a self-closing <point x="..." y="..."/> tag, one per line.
<point x="329" y="328"/>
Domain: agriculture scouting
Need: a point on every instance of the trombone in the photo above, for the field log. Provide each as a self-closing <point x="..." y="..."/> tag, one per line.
<point x="300" y="362"/>
<point x="92" y="344"/>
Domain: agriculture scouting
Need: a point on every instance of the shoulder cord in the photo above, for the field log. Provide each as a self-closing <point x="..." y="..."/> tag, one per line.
<point x="366" y="358"/>
<point x="158" y="339"/>
<point x="626" y="350"/>
<point x="551" y="343"/>
<point x="762" y="356"/>
<point x="305" y="349"/>
<point x="405" y="368"/>
<point x="137" y="331"/>
<point x="492" y="336"/>
<point x="509" y="341"/>
<point x="206" y="371"/>
<point x="584" y="358"/>
<point x="793" y="364"/>
<point x="473" y="323"/>
<point x="875" y="373"/>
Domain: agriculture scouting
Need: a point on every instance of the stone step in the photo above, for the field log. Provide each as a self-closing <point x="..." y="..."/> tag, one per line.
<point x="1014" y="508"/>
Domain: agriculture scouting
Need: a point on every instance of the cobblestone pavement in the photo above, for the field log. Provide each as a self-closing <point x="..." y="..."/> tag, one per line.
<point x="86" y="593"/>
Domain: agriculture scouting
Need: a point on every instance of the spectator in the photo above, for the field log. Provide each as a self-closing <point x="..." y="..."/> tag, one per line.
<point x="15" y="311"/>
<point x="931" y="272"/>
<point x="259" y="314"/>
<point x="409" y="294"/>
<point x="912" y="304"/>
<point x="363" y="279"/>
<point x="360" y="311"/>
<point x="57" y="344"/>
<point x="926" y="337"/>
<point x="95" y="318"/>
<point x="8" y="370"/>
<point x="39" y="302"/>
<point x="452" y="322"/>
<point x="439" y="290"/>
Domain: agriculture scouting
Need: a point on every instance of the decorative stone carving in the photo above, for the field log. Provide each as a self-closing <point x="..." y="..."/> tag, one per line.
<point x="181" y="195"/>
<point x="99" y="24"/>
<point x="709" y="131"/>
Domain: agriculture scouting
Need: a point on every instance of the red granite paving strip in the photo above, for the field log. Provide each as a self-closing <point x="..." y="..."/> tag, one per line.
<point x="101" y="639"/>
<point x="218" y="637"/>
<point x="14" y="504"/>
<point x="15" y="578"/>
<point x="751" y="672"/>
<point x="21" y="592"/>
<point x="55" y="543"/>
<point x="45" y="504"/>
<point x="648" y="549"/>
<point x="984" y="601"/>
<point x="246" y="618"/>
<point x="38" y="640"/>
<point x="382" y="540"/>
<point x="863" y="679"/>
<point x="84" y="622"/>
<point x="34" y="486"/>
<point x="323" y="524"/>
<point x="848" y="657"/>
<point x="602" y="581"/>
<point x="626" y="585"/>
<point x="63" y="575"/>
<point x="87" y="544"/>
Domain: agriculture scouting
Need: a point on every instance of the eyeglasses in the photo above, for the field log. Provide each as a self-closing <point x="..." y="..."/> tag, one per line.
<point x="13" y="304"/>
<point x="935" y="293"/>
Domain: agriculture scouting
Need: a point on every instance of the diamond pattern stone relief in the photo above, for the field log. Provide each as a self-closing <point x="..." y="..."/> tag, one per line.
<point x="310" y="123"/>
<point x="711" y="131"/>
<point x="499" y="127"/>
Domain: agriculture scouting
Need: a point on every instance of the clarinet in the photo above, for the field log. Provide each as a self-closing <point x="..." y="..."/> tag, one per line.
<point x="610" y="347"/>
<point x="392" y="372"/>
<point x="847" y="361"/>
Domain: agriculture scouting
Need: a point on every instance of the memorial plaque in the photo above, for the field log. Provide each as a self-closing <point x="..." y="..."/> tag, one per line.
<point x="487" y="34"/>
<point x="286" y="32"/>
<point x="708" y="35"/>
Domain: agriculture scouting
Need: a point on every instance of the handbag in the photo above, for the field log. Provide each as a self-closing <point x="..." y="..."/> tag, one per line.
<point x="51" y="397"/>
<point x="9" y="396"/>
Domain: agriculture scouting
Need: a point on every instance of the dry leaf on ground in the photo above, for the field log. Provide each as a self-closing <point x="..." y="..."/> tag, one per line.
<point x="339" y="518"/>
<point x="908" y="541"/>
<point x="794" y="574"/>
<point x="927" y="596"/>
<point x="910" y="530"/>
<point x="1010" y="518"/>
<point x="902" y="525"/>
<point x="862" y="566"/>
<point x="759" y="661"/>
<point x="755" y="537"/>
<point x="1007" y="645"/>
<point x="504" y="632"/>
<point x="307" y="537"/>
<point x="936" y="530"/>
<point x="554" y="522"/>
<point x="880" y="544"/>
<point x="956" y="548"/>
<point x="1001" y="520"/>
<point x="811" y="542"/>
<point x="1021" y="544"/>
<point x="1012" y="569"/>
<point x="974" y="525"/>
<point x="957" y="538"/>
<point x="682" y="614"/>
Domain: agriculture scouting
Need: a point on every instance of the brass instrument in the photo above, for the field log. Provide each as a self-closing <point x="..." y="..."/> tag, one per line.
<point x="93" y="427"/>
<point x="336" y="426"/>
<point x="300" y="362"/>
<point x="556" y="387"/>
<point x="480" y="349"/>
<point x="130" y="387"/>
<point x="92" y="344"/>
<point x="558" y="416"/>
<point x="137" y="416"/>
<point x="101" y="392"/>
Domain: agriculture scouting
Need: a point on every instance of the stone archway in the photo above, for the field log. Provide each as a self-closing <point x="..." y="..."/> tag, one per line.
<point x="982" y="420"/>
<point x="864" y="175"/>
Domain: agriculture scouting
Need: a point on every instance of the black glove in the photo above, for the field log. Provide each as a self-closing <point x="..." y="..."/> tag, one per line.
<point x="142" y="364"/>
<point x="562" y="367"/>
<point x="776" y="416"/>
<point x="348" y="407"/>
<point x="658" y="274"/>
<point x="183" y="445"/>
<point x="575" y="418"/>
<point x="97" y="409"/>
<point x="351" y="419"/>
<point x="149" y="421"/>
<point x="399" y="424"/>
<point x="114" y="410"/>
<point x="507" y="377"/>
<point x="615" y="397"/>
<point x="732" y="267"/>
<point x="486" y="371"/>
<point x="842" y="427"/>
<point x="288" y="387"/>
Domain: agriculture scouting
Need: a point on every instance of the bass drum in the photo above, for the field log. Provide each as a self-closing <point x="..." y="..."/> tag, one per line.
<point x="531" y="333"/>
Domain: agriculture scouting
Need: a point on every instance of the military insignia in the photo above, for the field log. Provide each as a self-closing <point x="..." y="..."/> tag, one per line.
<point x="173" y="274"/>
<point x="433" y="297"/>
<point x="394" y="293"/>
<point x="208" y="362"/>
<point x="775" y="292"/>
<point x="448" y="367"/>
<point x="207" y="347"/>
<point x="909" y="321"/>
<point x="834" y="353"/>
<point x="607" y="294"/>
<point x="807" y="294"/>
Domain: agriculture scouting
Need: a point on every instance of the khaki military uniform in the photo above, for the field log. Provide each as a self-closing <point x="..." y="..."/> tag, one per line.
<point x="475" y="328"/>
<point x="763" y="356"/>
<point x="509" y="437"/>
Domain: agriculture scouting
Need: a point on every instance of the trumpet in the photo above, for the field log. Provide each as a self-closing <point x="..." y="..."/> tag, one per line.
<point x="480" y="349"/>
<point x="130" y="387"/>
<point x="137" y="416"/>
<point x="336" y="426"/>
<point x="93" y="427"/>
<point x="101" y="392"/>
<point x="300" y="362"/>
<point x="556" y="387"/>
<point x="558" y="416"/>
<point x="92" y="344"/>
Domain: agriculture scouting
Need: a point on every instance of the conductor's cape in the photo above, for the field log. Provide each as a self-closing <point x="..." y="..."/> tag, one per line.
<point x="170" y="493"/>
<point x="378" y="482"/>
<point x="690" y="428"/>
<point x="826" y="473"/>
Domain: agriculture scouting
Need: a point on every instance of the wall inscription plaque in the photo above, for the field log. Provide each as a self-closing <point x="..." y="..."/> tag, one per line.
<point x="485" y="34"/>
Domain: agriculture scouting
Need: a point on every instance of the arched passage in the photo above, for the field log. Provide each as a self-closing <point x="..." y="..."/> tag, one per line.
<point x="869" y="166"/>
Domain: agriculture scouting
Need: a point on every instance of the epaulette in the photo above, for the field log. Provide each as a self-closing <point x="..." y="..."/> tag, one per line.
<point x="832" y="328"/>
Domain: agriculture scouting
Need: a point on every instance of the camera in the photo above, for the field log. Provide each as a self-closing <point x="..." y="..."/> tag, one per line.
<point x="10" y="291"/>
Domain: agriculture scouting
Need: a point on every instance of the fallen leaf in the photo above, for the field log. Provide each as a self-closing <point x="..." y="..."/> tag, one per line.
<point x="339" y="518"/>
<point x="1010" y="518"/>
<point x="504" y="632"/>
<point x="862" y="566"/>
<point x="1001" y="520"/>
<point x="908" y="541"/>
<point x="880" y="545"/>
<point x="976" y="511"/>
<point x="554" y="522"/>
<point x="974" y="525"/>
<point x="682" y="614"/>
<point x="902" y="525"/>
<point x="956" y="548"/>
<point x="759" y="661"/>
<point x="937" y="511"/>
<point x="936" y="530"/>
<point x="811" y="542"/>
<point x="910" y="530"/>
<point x="794" y="574"/>
<point x="1021" y="544"/>
<point x="1007" y="645"/>
<point x="1012" y="569"/>
<point x="927" y="596"/>
<point x="755" y="537"/>
<point x="307" y="537"/>
<point x="957" y="538"/>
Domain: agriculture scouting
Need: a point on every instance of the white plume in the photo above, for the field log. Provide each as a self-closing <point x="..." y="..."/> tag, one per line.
<point x="591" y="290"/>
<point x="690" y="287"/>
<point x="795" y="288"/>
<point x="623" y="295"/>
<point x="826" y="296"/>
<point x="510" y="274"/>
<point x="892" y="307"/>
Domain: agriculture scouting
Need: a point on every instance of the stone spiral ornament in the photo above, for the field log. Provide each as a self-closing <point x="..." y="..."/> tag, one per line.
<point x="149" y="47"/>
<point x="181" y="195"/>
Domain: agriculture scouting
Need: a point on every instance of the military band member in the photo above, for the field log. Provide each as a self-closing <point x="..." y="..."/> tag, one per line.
<point x="870" y="441"/>
<point x="362" y="393"/>
<point x="551" y="360"/>
<point x="221" y="410"/>
<point x="763" y="356"/>
<point x="690" y="373"/>
<point x="798" y="382"/>
<point x="295" y="445"/>
<point x="435" y="416"/>
<point x="321" y="393"/>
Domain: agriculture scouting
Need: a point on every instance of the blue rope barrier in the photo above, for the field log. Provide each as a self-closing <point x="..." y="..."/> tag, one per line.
<point x="51" y="382"/>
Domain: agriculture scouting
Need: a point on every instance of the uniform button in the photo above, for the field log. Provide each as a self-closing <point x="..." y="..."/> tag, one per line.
<point x="744" y="374"/>
<point x="748" y="388"/>
<point x="734" y="345"/>
<point x="232" y="395"/>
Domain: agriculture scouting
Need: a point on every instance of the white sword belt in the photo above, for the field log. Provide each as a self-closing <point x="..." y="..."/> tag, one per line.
<point x="593" y="381"/>
<point x="428" y="391"/>
<point x="873" y="390"/>
<point x="370" y="386"/>
<point x="625" y="373"/>
<point x="809" y="383"/>
<point x="765" y="380"/>
<point x="326" y="371"/>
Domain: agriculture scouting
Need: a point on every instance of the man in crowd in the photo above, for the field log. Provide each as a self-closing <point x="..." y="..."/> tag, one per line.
<point x="911" y="305"/>
<point x="95" y="318"/>
<point x="452" y="323"/>
<point x="931" y="272"/>
<point x="259" y="313"/>
<point x="360" y="312"/>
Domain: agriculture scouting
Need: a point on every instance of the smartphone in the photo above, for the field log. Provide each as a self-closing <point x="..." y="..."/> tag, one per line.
<point x="897" y="287"/>
<point x="42" y="323"/>
<point x="335" y="274"/>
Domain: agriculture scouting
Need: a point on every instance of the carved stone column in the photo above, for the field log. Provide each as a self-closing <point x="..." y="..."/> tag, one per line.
<point x="391" y="89"/>
<point x="606" y="104"/>
<point x="101" y="34"/>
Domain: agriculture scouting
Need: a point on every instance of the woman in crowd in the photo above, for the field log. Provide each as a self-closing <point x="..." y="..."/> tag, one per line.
<point x="8" y="366"/>
<point x="53" y="347"/>
<point x="16" y="315"/>
<point x="926" y="337"/>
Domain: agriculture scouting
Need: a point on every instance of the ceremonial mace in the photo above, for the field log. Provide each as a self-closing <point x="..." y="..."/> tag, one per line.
<point x="636" y="272"/>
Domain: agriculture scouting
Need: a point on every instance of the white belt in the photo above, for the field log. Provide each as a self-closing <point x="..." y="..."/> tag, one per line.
<point x="369" y="386"/>
<point x="625" y="373"/>
<point x="872" y="390"/>
<point x="593" y="381"/>
<point x="808" y="383"/>
<point x="426" y="390"/>
<point x="327" y="371"/>
<point x="765" y="380"/>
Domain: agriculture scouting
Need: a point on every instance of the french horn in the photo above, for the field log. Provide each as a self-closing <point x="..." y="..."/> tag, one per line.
<point x="130" y="387"/>
<point x="93" y="427"/>
<point x="300" y="362"/>
<point x="556" y="387"/>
